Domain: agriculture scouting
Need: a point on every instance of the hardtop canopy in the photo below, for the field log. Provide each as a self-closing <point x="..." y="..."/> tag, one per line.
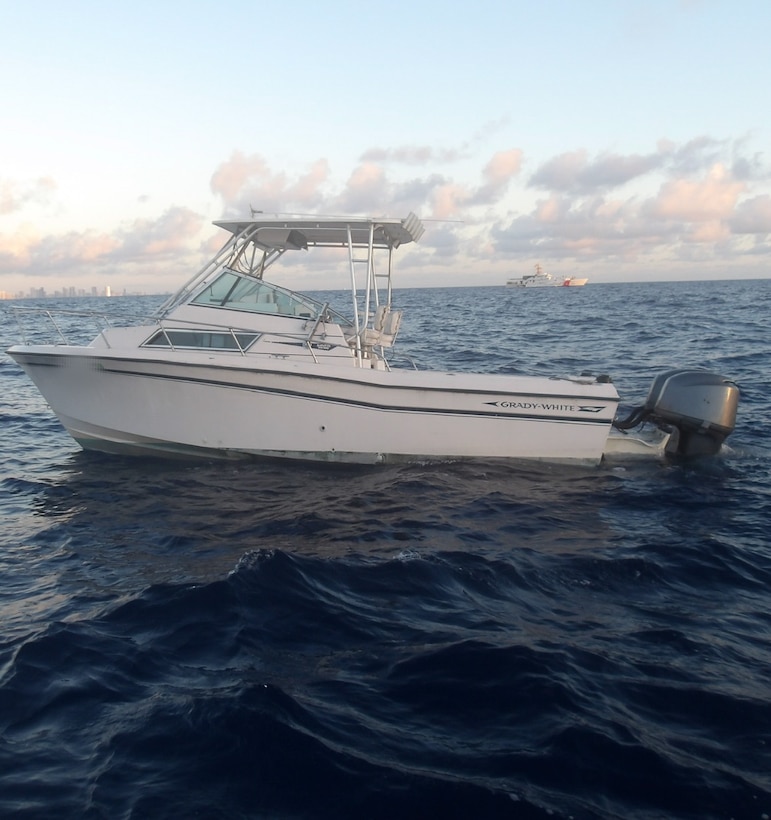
<point x="258" y="242"/>
<point x="294" y="232"/>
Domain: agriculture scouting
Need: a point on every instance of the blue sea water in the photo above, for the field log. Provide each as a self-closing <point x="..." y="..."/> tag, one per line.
<point x="453" y="640"/>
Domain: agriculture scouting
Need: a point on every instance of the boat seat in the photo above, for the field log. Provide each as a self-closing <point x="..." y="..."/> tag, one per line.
<point x="392" y="323"/>
<point x="386" y="324"/>
<point x="378" y="320"/>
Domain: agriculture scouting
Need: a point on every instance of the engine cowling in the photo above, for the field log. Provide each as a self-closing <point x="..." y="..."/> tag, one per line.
<point x="696" y="406"/>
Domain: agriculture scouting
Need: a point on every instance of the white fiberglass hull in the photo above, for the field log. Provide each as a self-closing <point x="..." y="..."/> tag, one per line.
<point x="205" y="405"/>
<point x="533" y="283"/>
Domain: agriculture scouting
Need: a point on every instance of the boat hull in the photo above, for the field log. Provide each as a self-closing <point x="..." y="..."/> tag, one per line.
<point x="208" y="406"/>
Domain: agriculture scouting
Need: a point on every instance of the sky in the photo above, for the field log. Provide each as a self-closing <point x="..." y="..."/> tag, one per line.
<point x="621" y="140"/>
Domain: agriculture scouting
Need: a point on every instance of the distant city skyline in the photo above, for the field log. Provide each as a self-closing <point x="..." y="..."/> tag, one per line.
<point x="615" y="141"/>
<point x="70" y="292"/>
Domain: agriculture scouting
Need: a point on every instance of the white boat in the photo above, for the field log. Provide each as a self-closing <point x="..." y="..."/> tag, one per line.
<point x="539" y="279"/>
<point x="233" y="365"/>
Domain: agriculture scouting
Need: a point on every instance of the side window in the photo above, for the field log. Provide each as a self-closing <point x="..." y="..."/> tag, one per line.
<point x="193" y="339"/>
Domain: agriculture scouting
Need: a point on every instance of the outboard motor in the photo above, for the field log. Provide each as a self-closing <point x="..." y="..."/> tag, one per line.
<point x="697" y="407"/>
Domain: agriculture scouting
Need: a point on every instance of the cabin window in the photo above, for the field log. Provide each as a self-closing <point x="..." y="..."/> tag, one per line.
<point x="229" y="290"/>
<point x="197" y="339"/>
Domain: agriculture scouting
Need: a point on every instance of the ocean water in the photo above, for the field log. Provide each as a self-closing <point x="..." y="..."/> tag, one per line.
<point x="452" y="640"/>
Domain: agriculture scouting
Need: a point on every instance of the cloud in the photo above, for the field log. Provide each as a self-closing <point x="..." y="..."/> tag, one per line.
<point x="710" y="201"/>
<point x="15" y="195"/>
<point x="164" y="237"/>
<point x="430" y="155"/>
<point x="413" y="155"/>
<point x="702" y="153"/>
<point x="245" y="181"/>
<point x="574" y="172"/>
<point x="231" y="176"/>
<point x="498" y="174"/>
<point x="503" y="166"/>
<point x="707" y="232"/>
<point x="684" y="216"/>
<point x="551" y="211"/>
<point x="753" y="216"/>
<point x="698" y="200"/>
<point x="372" y="187"/>
<point x="366" y="185"/>
<point x="561" y="228"/>
<point x="697" y="154"/>
<point x="28" y="252"/>
<point x="16" y="250"/>
<point x="594" y="207"/>
<point x="370" y="190"/>
<point x="172" y="234"/>
<point x="701" y="198"/>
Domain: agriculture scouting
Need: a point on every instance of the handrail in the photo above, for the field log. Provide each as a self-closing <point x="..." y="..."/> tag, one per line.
<point x="101" y="320"/>
<point x="102" y="323"/>
<point x="231" y="330"/>
<point x="401" y="355"/>
<point x="322" y="316"/>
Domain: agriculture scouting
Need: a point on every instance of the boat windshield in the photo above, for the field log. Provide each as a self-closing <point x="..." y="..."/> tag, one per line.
<point x="230" y="290"/>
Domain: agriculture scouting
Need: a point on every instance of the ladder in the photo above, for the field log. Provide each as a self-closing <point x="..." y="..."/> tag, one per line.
<point x="375" y="290"/>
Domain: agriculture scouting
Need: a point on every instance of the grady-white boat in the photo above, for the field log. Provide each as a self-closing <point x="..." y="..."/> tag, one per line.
<point x="233" y="365"/>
